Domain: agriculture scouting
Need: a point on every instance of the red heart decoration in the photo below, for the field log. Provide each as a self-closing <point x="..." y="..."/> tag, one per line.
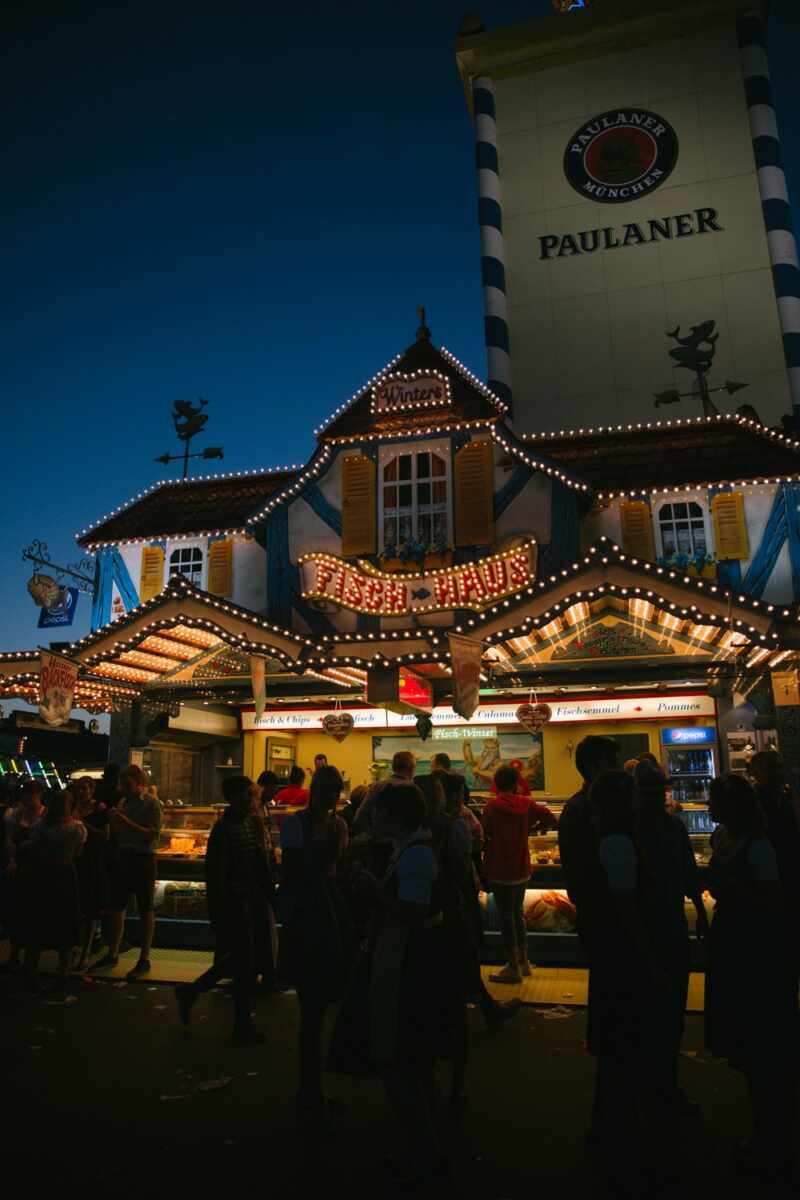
<point x="338" y="725"/>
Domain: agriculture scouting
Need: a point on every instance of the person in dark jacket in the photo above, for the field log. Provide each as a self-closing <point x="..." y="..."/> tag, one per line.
<point x="751" y="1008"/>
<point x="577" y="842"/>
<point x="237" y="882"/>
<point x="671" y="876"/>
<point x="317" y="934"/>
<point x="508" y="820"/>
<point x="782" y="820"/>
<point x="580" y="862"/>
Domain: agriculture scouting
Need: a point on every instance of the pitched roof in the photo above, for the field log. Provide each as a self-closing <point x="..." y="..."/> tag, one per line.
<point x="642" y="458"/>
<point x="186" y="506"/>
<point x="464" y="399"/>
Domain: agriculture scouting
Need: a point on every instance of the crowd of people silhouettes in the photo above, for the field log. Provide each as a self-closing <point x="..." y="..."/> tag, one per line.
<point x="377" y="904"/>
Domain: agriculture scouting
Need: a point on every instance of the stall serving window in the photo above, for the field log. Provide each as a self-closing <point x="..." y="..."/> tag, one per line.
<point x="188" y="562"/>
<point x="682" y="528"/>
<point x="415" y="496"/>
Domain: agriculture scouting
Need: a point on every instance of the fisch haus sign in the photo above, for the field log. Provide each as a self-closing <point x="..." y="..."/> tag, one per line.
<point x="476" y="585"/>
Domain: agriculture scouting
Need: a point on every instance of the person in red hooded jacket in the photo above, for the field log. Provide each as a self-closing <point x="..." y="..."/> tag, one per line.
<point x="508" y="820"/>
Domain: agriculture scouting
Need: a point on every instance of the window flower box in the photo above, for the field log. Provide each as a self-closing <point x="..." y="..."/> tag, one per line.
<point x="699" y="567"/>
<point x="437" y="560"/>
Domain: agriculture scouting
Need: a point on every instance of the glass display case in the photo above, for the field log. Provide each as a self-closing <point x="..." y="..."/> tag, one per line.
<point x="180" y="897"/>
<point x="549" y="914"/>
<point x="185" y="831"/>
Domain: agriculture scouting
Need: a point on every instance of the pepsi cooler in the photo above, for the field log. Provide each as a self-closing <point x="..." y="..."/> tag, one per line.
<point x="689" y="758"/>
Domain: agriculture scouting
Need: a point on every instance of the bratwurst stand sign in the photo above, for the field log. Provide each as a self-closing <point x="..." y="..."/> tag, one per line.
<point x="361" y="587"/>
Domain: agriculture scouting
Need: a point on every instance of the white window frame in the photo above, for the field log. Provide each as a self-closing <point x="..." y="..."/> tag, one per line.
<point x="443" y="450"/>
<point x="188" y="544"/>
<point x="682" y="498"/>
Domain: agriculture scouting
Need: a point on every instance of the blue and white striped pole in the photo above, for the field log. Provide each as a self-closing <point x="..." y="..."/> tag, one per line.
<point x="490" y="217"/>
<point x="774" y="194"/>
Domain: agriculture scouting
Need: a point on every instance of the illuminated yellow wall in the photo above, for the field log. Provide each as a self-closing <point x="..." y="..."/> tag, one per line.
<point x="354" y="755"/>
<point x="561" y="775"/>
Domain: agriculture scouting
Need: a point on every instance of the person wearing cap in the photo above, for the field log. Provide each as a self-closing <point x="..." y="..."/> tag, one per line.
<point x="671" y="876"/>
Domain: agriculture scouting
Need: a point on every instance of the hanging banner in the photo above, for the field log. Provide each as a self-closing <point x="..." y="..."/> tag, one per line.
<point x="57" y="679"/>
<point x="465" y="654"/>
<point x="569" y="712"/>
<point x="62" y="613"/>
<point x="258" y="675"/>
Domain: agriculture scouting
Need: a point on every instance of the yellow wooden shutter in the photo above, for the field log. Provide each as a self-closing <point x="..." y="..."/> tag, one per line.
<point x="358" y="505"/>
<point x="151" y="579"/>
<point x="474" y="494"/>
<point x="637" y="529"/>
<point x="220" y="568"/>
<point x="730" y="527"/>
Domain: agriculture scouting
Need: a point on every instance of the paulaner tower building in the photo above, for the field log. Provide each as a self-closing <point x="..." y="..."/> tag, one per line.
<point x="630" y="183"/>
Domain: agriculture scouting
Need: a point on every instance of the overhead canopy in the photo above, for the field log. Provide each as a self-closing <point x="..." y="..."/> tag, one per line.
<point x="609" y="617"/>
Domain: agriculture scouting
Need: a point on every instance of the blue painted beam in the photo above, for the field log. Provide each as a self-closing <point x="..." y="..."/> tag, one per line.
<point x="511" y="489"/>
<point x="791" y="492"/>
<point x="565" y="538"/>
<point x="322" y="507"/>
<point x="279" y="600"/>
<point x="762" y="564"/>
<point x="101" y="602"/>
<point x="129" y="594"/>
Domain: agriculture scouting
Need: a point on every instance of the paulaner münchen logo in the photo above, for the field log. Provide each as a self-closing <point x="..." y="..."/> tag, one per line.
<point x="621" y="155"/>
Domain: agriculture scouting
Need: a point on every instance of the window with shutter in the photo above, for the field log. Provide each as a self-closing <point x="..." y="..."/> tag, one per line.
<point x="188" y="562"/>
<point x="358" y="505"/>
<point x="414" y="503"/>
<point x="730" y="527"/>
<point x="637" y="529"/>
<point x="220" y="568"/>
<point x="151" y="579"/>
<point x="474" y="495"/>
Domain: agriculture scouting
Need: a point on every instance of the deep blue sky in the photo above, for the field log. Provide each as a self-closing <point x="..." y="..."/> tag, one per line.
<point x="238" y="201"/>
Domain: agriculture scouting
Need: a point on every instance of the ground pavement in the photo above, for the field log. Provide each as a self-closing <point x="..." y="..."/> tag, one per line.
<point x="106" y="1094"/>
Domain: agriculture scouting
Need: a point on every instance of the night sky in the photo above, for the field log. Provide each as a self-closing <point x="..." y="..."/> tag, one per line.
<point x="235" y="201"/>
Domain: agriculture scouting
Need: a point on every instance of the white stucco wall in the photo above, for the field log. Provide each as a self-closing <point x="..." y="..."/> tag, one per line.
<point x="308" y="532"/>
<point x="528" y="514"/>
<point x="588" y="330"/>
<point x="330" y="484"/>
<point x="132" y="557"/>
<point x="249" y="574"/>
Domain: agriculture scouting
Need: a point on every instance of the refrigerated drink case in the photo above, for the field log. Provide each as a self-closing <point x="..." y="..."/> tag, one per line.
<point x="691" y="772"/>
<point x="690" y="760"/>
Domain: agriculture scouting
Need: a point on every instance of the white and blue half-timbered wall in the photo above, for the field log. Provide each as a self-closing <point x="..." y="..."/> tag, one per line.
<point x="118" y="573"/>
<point x="772" y="514"/>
